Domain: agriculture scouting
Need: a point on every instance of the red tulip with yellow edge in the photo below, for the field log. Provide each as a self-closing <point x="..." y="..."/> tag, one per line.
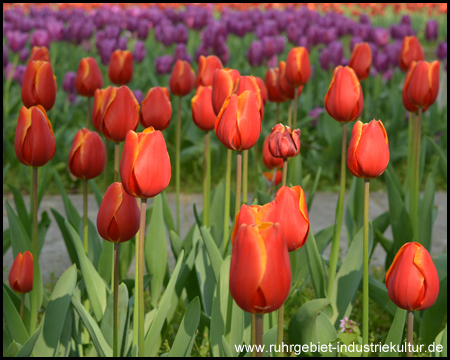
<point x="156" y="109"/>
<point x="262" y="89"/>
<point x="244" y="83"/>
<point x="39" y="85"/>
<point x="422" y="86"/>
<point x="21" y="273"/>
<point x="284" y="142"/>
<point x="297" y="66"/>
<point x="182" y="78"/>
<point x="361" y="60"/>
<point x="206" y="69"/>
<point x="222" y="87"/>
<point x="271" y="81"/>
<point x="407" y="104"/>
<point x="120" y="70"/>
<point x="89" y="77"/>
<point x="269" y="160"/>
<point x="39" y="53"/>
<point x="285" y="89"/>
<point x="100" y="101"/>
<point x="411" y="51"/>
<point x="202" y="110"/>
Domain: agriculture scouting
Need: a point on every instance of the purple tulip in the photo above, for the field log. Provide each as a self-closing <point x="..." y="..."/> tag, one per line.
<point x="122" y="43"/>
<point x="335" y="53"/>
<point x="139" y="52"/>
<point x="72" y="97"/>
<point x="181" y="34"/>
<point x="139" y="96"/>
<point x="19" y="73"/>
<point x="55" y="29"/>
<point x="201" y="50"/>
<point x="163" y="64"/>
<point x="355" y="40"/>
<point x="143" y="28"/>
<point x="373" y="48"/>
<point x="293" y="33"/>
<point x="40" y="38"/>
<point x="112" y="32"/>
<point x="132" y="23"/>
<point x="362" y="30"/>
<point x="224" y="55"/>
<point x="16" y="40"/>
<point x="69" y="82"/>
<point x="180" y="53"/>
<point x="329" y="35"/>
<point x="255" y="53"/>
<point x="406" y="20"/>
<point x="441" y="50"/>
<point x="23" y="55"/>
<point x="313" y="34"/>
<point x="303" y="42"/>
<point x="387" y="75"/>
<point x="431" y="30"/>
<point x="272" y="62"/>
<point x="5" y="55"/>
<point x="364" y="19"/>
<point x="279" y="44"/>
<point x="268" y="47"/>
<point x="381" y="37"/>
<point x="381" y="62"/>
<point x="106" y="48"/>
<point x="315" y="114"/>
<point x="324" y="59"/>
<point x="393" y="52"/>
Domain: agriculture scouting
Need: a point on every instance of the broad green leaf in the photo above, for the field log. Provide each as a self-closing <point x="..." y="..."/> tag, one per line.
<point x="226" y="348"/>
<point x="66" y="334"/>
<point x="237" y="329"/>
<point x="441" y="266"/>
<point x="442" y="156"/>
<point x="315" y="266"/>
<point x="71" y="211"/>
<point x="5" y="171"/>
<point x="355" y="208"/>
<point x="98" y="194"/>
<point x="127" y="252"/>
<point x="28" y="347"/>
<point x="379" y="294"/>
<point x="213" y="251"/>
<point x="43" y="181"/>
<point x="66" y="237"/>
<point x="425" y="225"/>
<point x="94" y="245"/>
<point x="168" y="219"/>
<point x="6" y="240"/>
<point x="105" y="263"/>
<point x="22" y="211"/>
<point x="441" y="339"/>
<point x="298" y="260"/>
<point x="175" y="243"/>
<point x="12" y="320"/>
<point x="395" y="335"/>
<point x="20" y="240"/>
<point x="261" y="197"/>
<point x="385" y="243"/>
<point x="381" y="222"/>
<point x="15" y="298"/>
<point x="216" y="213"/>
<point x="323" y="238"/>
<point x="13" y="349"/>
<point x="313" y="189"/>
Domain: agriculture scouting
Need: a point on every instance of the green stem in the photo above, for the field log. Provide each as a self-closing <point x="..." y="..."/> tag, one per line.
<point x="245" y="176"/>
<point x="140" y="278"/>
<point x="280" y="331"/>
<point x="34" y="298"/>
<point x="88" y="117"/>
<point x="409" y="334"/>
<point x="238" y="182"/>
<point x="226" y="220"/>
<point x="278" y="113"/>
<point x="116" y="161"/>
<point x="338" y="224"/>
<point x="206" y="181"/>
<point x="177" y="164"/>
<point x="105" y="172"/>
<point x="410" y="162"/>
<point x="285" y="164"/>
<point x="366" y="267"/>
<point x="116" y="301"/>
<point x="85" y="217"/>
<point x="290" y="114"/>
<point x="22" y="305"/>
<point x="253" y="335"/>
<point x="259" y="333"/>
<point x="272" y="182"/>
<point x="415" y="197"/>
<point x="136" y="288"/>
<point x="295" y="108"/>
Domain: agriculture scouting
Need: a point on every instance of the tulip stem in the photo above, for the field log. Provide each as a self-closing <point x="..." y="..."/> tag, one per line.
<point x="290" y="114"/>
<point x="226" y="220"/>
<point x="337" y="225"/>
<point x="366" y="267"/>
<point x="34" y="294"/>
<point x="136" y="287"/>
<point x="285" y="164"/>
<point x="237" y="205"/>
<point x="206" y="181"/>
<point x="22" y="304"/>
<point x="140" y="278"/>
<point x="409" y="334"/>
<point x="294" y="124"/>
<point x="85" y="218"/>
<point x="116" y="301"/>
<point x="116" y="161"/>
<point x="105" y="172"/>
<point x="253" y="335"/>
<point x="410" y="170"/>
<point x="278" y="113"/>
<point x="415" y="192"/>
<point x="88" y="117"/>
<point x="272" y="182"/>
<point x="177" y="164"/>
<point x="259" y="333"/>
<point x="245" y="176"/>
<point x="280" y="331"/>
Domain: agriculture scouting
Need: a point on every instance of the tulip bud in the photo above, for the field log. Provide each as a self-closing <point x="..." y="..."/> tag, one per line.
<point x="34" y="142"/>
<point x="269" y="176"/>
<point x="361" y="60"/>
<point x="292" y="215"/>
<point x="202" y="110"/>
<point x="412" y="281"/>
<point x="145" y="165"/>
<point x="244" y="83"/>
<point x="222" y="86"/>
<point x="269" y="160"/>
<point x="100" y="101"/>
<point x="368" y="152"/>
<point x="39" y="86"/>
<point x="21" y="274"/>
<point x="411" y="51"/>
<point x="120" y="69"/>
<point x="89" y="77"/>
<point x="39" y="53"/>
<point x="156" y="109"/>
<point x="238" y="124"/>
<point x="121" y="114"/>
<point x="262" y="89"/>
<point x="422" y="85"/>
<point x="285" y="89"/>
<point x="118" y="216"/>
<point x="283" y="142"/>
<point x="182" y="79"/>
<point x="344" y="100"/>
<point x="87" y="155"/>
<point x="271" y="80"/>
<point x="297" y="66"/>
<point x="206" y="68"/>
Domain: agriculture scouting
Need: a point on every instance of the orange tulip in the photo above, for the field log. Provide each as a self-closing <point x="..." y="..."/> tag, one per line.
<point x="269" y="160"/>
<point x="34" y="142"/>
<point x="222" y="87"/>
<point x="87" y="155"/>
<point x="39" y="86"/>
<point x="361" y="60"/>
<point x="39" y="53"/>
<point x="422" y="86"/>
<point x="238" y="124"/>
<point x="206" y="68"/>
<point x="89" y="77"/>
<point x="244" y="83"/>
<point x="368" y="152"/>
<point x="411" y="51"/>
<point x="121" y="114"/>
<point x="262" y="89"/>
<point x="182" y="79"/>
<point x="292" y="215"/>
<point x="297" y="66"/>
<point x="412" y="281"/>
<point x="284" y="142"/>
<point x="344" y="100"/>
<point x="260" y="270"/>
<point x="272" y="88"/>
<point x="145" y="165"/>
<point x="156" y="109"/>
<point x="120" y="70"/>
<point x="202" y="110"/>
<point x="118" y="216"/>
<point x="100" y="101"/>
<point x="269" y="176"/>
<point x="21" y="274"/>
<point x="285" y="89"/>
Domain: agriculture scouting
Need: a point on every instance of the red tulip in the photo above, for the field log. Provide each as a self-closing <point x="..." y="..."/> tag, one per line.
<point x="34" y="142"/>
<point x="344" y="100"/>
<point x="145" y="164"/>
<point x="407" y="104"/>
<point x="156" y="109"/>
<point x="285" y="89"/>
<point x="206" y="68"/>
<point x="411" y="51"/>
<point x="244" y="83"/>
<point x="262" y="89"/>
<point x="39" y="53"/>
<point x="269" y="176"/>
<point x="297" y="66"/>
<point x="118" y="216"/>
<point x="202" y="110"/>
<point x="39" y="86"/>
<point x="182" y="79"/>
<point x="120" y="70"/>
<point x="87" y="155"/>
<point x="361" y="60"/>
<point x="412" y="280"/>
<point x="100" y="101"/>
<point x="422" y="85"/>
<point x="368" y="152"/>
<point x="292" y="215"/>
<point x="223" y="85"/>
<point x="260" y="270"/>
<point x="89" y="77"/>
<point x="21" y="274"/>
<point x="272" y="88"/>
<point x="283" y="142"/>
<point x="269" y="160"/>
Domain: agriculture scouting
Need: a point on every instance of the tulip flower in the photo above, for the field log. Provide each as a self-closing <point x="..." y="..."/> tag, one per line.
<point x="244" y="83"/>
<point x="145" y="165"/>
<point x="297" y="66"/>
<point x="87" y="155"/>
<point x="39" y="86"/>
<point x="344" y="100"/>
<point x="412" y="281"/>
<point x="206" y="68"/>
<point x="269" y="160"/>
<point x="202" y="110"/>
<point x="368" y="152"/>
<point x="156" y="109"/>
<point x="222" y="86"/>
<point x="284" y="142"/>
<point x="260" y="271"/>
<point x="118" y="216"/>
<point x="271" y="81"/>
<point x="262" y="89"/>
<point x="361" y="60"/>
<point x="39" y="53"/>
<point x="285" y="89"/>
<point x="422" y="85"/>
<point x="269" y="176"/>
<point x="120" y="70"/>
<point x="182" y="79"/>
<point x="100" y="100"/>
<point x="89" y="77"/>
<point x="21" y="274"/>
<point x="411" y="51"/>
<point x="34" y="141"/>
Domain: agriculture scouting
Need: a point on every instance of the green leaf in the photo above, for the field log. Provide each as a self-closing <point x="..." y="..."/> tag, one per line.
<point x="175" y="243"/>
<point x="441" y="154"/>
<point x="184" y="341"/>
<point x="5" y="171"/>
<point x="323" y="238"/>
<point x="379" y="294"/>
<point x="425" y="225"/>
<point x="213" y="251"/>
<point x="13" y="349"/>
<point x="94" y="245"/>
<point x="395" y="334"/>
<point x="127" y="252"/>
<point x="66" y="237"/>
<point x="441" y="339"/>
<point x="381" y="222"/>
<point x="385" y="243"/>
<point x="22" y="211"/>
<point x="66" y="334"/>
<point x="71" y="211"/>
<point x="12" y="320"/>
<point x="98" y="194"/>
<point x="20" y="240"/>
<point x="226" y="348"/>
<point x="355" y="208"/>
<point x="28" y="347"/>
<point x="216" y="213"/>
<point x="261" y="197"/>
<point x="43" y="181"/>
<point x="105" y="263"/>
<point x="6" y="240"/>
<point x="315" y="266"/>
<point x="168" y="219"/>
<point x="15" y="298"/>
<point x="313" y="189"/>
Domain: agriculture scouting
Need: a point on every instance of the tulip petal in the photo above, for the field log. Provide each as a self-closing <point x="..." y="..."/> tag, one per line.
<point x="110" y="204"/>
<point x="430" y="289"/>
<point x="45" y="86"/>
<point x="25" y="276"/>
<point x="129" y="156"/>
<point x="248" y="122"/>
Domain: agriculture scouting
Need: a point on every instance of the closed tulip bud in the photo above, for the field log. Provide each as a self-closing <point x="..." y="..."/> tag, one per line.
<point x="423" y="83"/>
<point x="89" y="77"/>
<point x="344" y="100"/>
<point x="145" y="165"/>
<point x="297" y="66"/>
<point x="244" y="83"/>
<point x="292" y="215"/>
<point x="100" y="101"/>
<point x="222" y="87"/>
<point x="39" y="53"/>
<point x="285" y="89"/>
<point x="118" y="216"/>
<point x="21" y="274"/>
<point x="368" y="152"/>
<point x="284" y="142"/>
<point x="206" y="68"/>
<point x="34" y="142"/>
<point x="411" y="51"/>
<point x="269" y="160"/>
<point x="260" y="270"/>
<point x="87" y="155"/>
<point x="412" y="281"/>
<point x="121" y="114"/>
<point x="39" y="86"/>
<point x="361" y="60"/>
<point x="120" y="70"/>
<point x="269" y="176"/>
<point x="202" y="110"/>
<point x="238" y="124"/>
<point x="156" y="109"/>
<point x="262" y="89"/>
<point x="271" y="80"/>
<point x="182" y="79"/>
